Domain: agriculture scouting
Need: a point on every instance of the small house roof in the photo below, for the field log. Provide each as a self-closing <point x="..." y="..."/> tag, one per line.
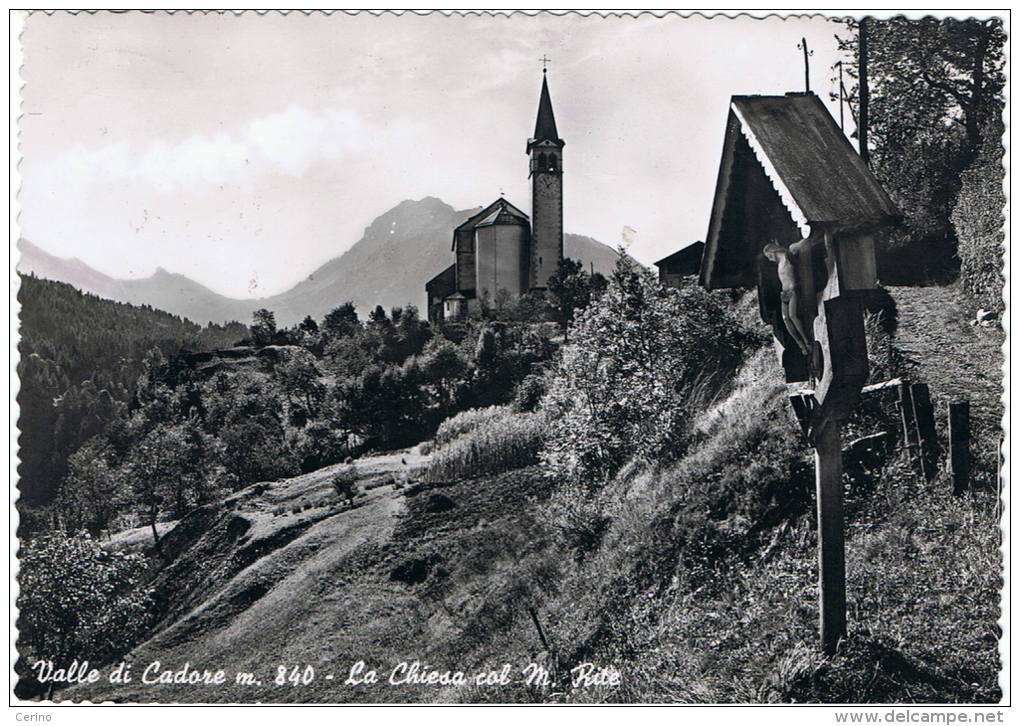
<point x="816" y="173"/>
<point x="444" y="283"/>
<point x="691" y="254"/>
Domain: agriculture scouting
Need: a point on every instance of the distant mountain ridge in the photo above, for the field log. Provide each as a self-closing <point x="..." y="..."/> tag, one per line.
<point x="167" y="291"/>
<point x="398" y="253"/>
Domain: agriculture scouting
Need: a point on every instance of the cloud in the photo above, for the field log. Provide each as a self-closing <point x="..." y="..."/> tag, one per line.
<point x="288" y="142"/>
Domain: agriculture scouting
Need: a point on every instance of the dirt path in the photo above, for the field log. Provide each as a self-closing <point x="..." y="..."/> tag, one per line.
<point x="957" y="360"/>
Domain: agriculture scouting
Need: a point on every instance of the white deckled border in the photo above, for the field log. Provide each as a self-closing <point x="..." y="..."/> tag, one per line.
<point x="770" y="171"/>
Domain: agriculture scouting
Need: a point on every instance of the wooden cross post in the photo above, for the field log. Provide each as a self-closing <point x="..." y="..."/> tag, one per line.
<point x="809" y="249"/>
<point x="831" y="548"/>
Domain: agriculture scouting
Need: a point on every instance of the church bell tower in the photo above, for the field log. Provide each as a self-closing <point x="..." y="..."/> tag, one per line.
<point x="545" y="150"/>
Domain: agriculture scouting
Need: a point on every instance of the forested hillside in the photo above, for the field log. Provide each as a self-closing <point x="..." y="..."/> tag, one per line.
<point x="80" y="358"/>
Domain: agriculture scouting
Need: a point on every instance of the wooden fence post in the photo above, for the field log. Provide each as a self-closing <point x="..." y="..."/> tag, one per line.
<point x="959" y="445"/>
<point x="831" y="548"/>
<point x="924" y="420"/>
<point x="906" y="404"/>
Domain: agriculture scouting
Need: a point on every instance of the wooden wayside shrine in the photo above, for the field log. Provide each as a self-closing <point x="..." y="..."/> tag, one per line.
<point x="794" y="214"/>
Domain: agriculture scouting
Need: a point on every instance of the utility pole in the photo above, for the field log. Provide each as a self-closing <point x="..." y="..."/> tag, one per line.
<point x="807" y="76"/>
<point x="840" y="64"/>
<point x="862" y="89"/>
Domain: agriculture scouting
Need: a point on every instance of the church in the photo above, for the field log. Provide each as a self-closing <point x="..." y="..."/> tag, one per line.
<point x="500" y="251"/>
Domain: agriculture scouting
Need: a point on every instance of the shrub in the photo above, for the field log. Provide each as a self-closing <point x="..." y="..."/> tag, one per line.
<point x="345" y="482"/>
<point x="77" y="600"/>
<point x="643" y="359"/>
<point x="578" y="517"/>
<point x="529" y="393"/>
<point x="466" y="421"/>
<point x="501" y="443"/>
<point x="978" y="220"/>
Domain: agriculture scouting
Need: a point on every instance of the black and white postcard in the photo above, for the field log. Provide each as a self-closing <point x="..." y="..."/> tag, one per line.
<point x="510" y="358"/>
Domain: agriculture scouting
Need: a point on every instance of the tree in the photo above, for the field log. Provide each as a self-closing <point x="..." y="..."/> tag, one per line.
<point x="978" y="220"/>
<point x="167" y="470"/>
<point x="77" y="600"/>
<point x="91" y="491"/>
<point x="411" y="334"/>
<point x="643" y="358"/>
<point x="256" y="450"/>
<point x="932" y="84"/>
<point x="263" y="328"/>
<point x="446" y="371"/>
<point x="378" y="317"/>
<point x="298" y="376"/>
<point x="245" y="412"/>
<point x="341" y="321"/>
<point x="571" y="290"/>
<point x="82" y="412"/>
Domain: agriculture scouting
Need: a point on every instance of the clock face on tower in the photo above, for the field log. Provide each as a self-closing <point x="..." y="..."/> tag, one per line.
<point x="544" y="182"/>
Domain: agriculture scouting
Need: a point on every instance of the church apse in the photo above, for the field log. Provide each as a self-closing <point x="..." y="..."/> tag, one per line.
<point x="501" y="253"/>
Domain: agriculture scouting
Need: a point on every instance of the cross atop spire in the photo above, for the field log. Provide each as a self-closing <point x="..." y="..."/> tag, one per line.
<point x="544" y="62"/>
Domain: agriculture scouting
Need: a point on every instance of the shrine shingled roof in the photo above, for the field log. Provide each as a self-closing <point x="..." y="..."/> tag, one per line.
<point x="795" y="147"/>
<point x="810" y="161"/>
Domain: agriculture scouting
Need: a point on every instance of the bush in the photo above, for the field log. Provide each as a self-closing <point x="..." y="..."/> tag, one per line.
<point x="644" y="359"/>
<point x="345" y="482"/>
<point x="578" y="517"/>
<point x="978" y="220"/>
<point x="466" y="421"/>
<point x="77" y="600"/>
<point x="529" y="393"/>
<point x="501" y="443"/>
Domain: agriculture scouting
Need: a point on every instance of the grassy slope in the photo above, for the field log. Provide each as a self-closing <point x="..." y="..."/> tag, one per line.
<point x="703" y="589"/>
<point x="922" y="567"/>
<point x="329" y="588"/>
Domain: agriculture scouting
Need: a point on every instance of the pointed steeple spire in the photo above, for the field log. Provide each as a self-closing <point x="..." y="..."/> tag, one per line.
<point x="545" y="124"/>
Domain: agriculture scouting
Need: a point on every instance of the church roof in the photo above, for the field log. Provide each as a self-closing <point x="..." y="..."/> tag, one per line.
<point x="817" y="176"/>
<point x="545" y="124"/>
<point x="505" y="213"/>
<point x="501" y="205"/>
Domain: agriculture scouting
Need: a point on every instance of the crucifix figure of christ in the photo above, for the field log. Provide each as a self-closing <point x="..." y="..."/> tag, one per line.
<point x="792" y="295"/>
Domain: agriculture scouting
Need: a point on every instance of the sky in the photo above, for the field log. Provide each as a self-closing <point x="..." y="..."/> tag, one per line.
<point x="245" y="150"/>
